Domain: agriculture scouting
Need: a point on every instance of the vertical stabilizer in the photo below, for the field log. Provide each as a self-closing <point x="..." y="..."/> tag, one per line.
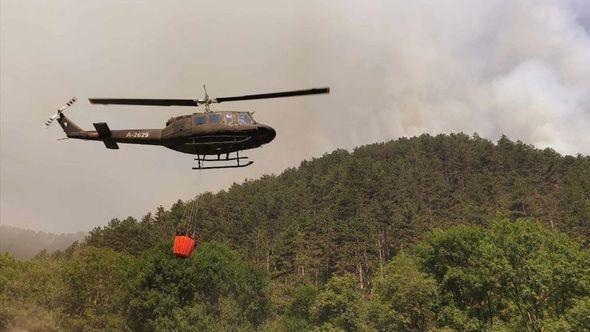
<point x="67" y="125"/>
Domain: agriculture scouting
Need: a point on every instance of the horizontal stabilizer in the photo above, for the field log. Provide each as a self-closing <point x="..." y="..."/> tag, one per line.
<point x="110" y="144"/>
<point x="105" y="133"/>
<point x="102" y="129"/>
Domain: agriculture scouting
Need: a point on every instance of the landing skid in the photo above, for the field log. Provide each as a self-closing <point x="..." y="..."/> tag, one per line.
<point x="202" y="159"/>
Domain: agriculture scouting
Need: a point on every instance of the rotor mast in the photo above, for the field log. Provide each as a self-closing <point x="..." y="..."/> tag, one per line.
<point x="207" y="100"/>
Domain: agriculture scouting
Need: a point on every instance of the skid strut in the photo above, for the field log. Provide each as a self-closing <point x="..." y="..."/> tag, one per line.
<point x="202" y="159"/>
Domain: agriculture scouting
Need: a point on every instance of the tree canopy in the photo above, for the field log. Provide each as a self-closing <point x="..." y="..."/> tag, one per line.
<point x="429" y="233"/>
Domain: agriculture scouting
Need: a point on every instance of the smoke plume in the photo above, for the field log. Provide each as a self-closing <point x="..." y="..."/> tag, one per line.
<point x="396" y="68"/>
<point x="516" y="67"/>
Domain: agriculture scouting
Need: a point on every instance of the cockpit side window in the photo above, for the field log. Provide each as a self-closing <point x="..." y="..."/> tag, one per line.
<point x="245" y="118"/>
<point x="199" y="120"/>
<point x="215" y="118"/>
<point x="229" y="118"/>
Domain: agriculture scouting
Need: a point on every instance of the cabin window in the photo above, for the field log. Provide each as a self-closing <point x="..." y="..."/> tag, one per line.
<point x="215" y="118"/>
<point x="199" y="120"/>
<point x="245" y="118"/>
<point x="228" y="118"/>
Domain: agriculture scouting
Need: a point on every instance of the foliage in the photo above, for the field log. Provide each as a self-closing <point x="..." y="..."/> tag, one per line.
<point x="213" y="285"/>
<point x="30" y="289"/>
<point x="337" y="305"/>
<point x="429" y="233"/>
<point x="515" y="272"/>
<point x="350" y="212"/>
<point x="95" y="282"/>
<point x="125" y="235"/>
<point x="406" y="299"/>
<point x="578" y="316"/>
<point x="11" y="241"/>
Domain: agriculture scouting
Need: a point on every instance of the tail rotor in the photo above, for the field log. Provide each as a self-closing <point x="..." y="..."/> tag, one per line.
<point x="60" y="110"/>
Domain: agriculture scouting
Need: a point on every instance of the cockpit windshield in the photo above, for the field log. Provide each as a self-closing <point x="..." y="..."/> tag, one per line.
<point x="245" y="118"/>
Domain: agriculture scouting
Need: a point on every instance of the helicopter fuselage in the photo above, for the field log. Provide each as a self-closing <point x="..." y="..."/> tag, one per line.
<point x="210" y="133"/>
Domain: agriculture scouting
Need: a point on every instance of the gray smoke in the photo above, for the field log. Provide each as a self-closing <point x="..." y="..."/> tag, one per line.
<point x="396" y="68"/>
<point x="516" y="67"/>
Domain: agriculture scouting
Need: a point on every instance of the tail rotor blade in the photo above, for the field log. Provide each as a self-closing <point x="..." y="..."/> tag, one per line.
<point x="59" y="110"/>
<point x="48" y="122"/>
<point x="68" y="104"/>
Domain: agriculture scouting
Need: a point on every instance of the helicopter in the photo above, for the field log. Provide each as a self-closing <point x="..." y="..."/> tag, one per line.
<point x="213" y="136"/>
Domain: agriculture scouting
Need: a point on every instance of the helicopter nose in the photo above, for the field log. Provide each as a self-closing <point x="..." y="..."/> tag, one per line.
<point x="267" y="133"/>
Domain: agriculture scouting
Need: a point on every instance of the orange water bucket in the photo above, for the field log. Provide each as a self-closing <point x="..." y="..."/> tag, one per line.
<point x="183" y="246"/>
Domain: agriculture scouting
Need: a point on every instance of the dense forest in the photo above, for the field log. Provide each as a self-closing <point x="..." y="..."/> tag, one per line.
<point x="419" y="234"/>
<point x="11" y="241"/>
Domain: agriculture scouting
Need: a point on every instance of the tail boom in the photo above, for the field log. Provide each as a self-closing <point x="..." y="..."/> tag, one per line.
<point x="103" y="133"/>
<point x="127" y="136"/>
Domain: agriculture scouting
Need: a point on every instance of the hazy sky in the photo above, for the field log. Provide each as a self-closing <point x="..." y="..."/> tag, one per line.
<point x="396" y="68"/>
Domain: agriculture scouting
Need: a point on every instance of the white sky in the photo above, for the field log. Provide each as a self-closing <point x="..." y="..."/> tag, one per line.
<point x="396" y="68"/>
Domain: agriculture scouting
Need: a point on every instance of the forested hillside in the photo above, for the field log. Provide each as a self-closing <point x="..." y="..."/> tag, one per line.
<point x="351" y="212"/>
<point x="11" y="241"/>
<point x="448" y="232"/>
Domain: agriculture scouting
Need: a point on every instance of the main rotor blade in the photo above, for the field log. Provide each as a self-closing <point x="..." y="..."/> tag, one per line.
<point x="145" y="102"/>
<point x="274" y="95"/>
<point x="197" y="102"/>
